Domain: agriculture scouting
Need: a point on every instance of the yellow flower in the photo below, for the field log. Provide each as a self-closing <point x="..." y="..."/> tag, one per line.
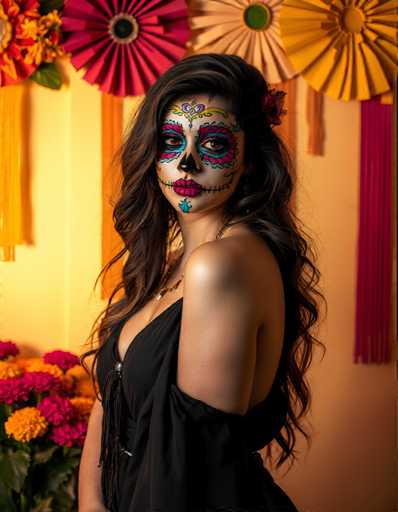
<point x="83" y="405"/>
<point x="9" y="370"/>
<point x="26" y="424"/>
<point x="35" y="53"/>
<point x="46" y="34"/>
<point x="30" y="28"/>
<point x="39" y="366"/>
<point x="50" y="20"/>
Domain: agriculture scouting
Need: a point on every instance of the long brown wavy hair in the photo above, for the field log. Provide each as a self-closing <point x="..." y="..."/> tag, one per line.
<point x="148" y="224"/>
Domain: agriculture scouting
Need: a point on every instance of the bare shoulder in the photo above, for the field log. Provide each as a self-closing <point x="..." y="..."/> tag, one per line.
<point x="217" y="345"/>
<point x="242" y="259"/>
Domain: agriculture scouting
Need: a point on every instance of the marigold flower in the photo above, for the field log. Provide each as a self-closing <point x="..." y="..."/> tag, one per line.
<point x="77" y="372"/>
<point x="83" y="406"/>
<point x="56" y="409"/>
<point x="67" y="384"/>
<point x="8" y="348"/>
<point x="61" y="358"/>
<point x="41" y="382"/>
<point x="26" y="424"/>
<point x="46" y="35"/>
<point x="39" y="366"/>
<point x="70" y="434"/>
<point x="13" y="390"/>
<point x="85" y="387"/>
<point x="25" y="362"/>
<point x="9" y="370"/>
<point x="13" y="46"/>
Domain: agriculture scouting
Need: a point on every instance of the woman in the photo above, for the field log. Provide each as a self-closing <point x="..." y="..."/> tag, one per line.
<point x="205" y="351"/>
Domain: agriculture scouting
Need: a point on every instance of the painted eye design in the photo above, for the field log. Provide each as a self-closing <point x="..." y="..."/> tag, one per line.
<point x="217" y="145"/>
<point x="171" y="141"/>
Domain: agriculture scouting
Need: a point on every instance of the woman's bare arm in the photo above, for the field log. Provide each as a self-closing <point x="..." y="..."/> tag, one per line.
<point x="90" y="495"/>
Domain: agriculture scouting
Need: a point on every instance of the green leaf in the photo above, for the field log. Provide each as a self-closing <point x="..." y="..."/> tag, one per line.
<point x="44" y="455"/>
<point x="44" y="505"/>
<point x="65" y="498"/>
<point x="57" y="472"/>
<point x="14" y="468"/>
<point x="47" y="6"/>
<point x="47" y="75"/>
<point x="6" y="501"/>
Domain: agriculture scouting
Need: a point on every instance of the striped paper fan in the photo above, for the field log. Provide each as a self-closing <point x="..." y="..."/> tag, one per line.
<point x="247" y="28"/>
<point x="346" y="49"/>
<point x="124" y="46"/>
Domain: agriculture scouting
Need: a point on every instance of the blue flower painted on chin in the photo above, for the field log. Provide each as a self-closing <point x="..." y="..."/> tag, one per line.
<point x="171" y="131"/>
<point x="185" y="205"/>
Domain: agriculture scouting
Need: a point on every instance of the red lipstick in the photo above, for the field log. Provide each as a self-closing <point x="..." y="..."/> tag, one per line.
<point x="188" y="188"/>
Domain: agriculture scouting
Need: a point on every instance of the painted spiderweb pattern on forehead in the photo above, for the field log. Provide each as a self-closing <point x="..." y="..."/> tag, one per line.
<point x="224" y="158"/>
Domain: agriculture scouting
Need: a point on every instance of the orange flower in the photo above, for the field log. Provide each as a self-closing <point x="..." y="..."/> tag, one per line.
<point x="67" y="383"/>
<point x="84" y="387"/>
<point x="26" y="424"/>
<point x="39" y="366"/>
<point x="25" y="362"/>
<point x="46" y="34"/>
<point x="9" y="370"/>
<point x="78" y="372"/>
<point x="83" y="406"/>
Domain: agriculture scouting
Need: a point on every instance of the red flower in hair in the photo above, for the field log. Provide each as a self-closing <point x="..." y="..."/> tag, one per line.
<point x="273" y="106"/>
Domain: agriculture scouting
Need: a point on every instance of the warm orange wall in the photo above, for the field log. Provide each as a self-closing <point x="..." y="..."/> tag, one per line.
<point x="47" y="302"/>
<point x="351" y="466"/>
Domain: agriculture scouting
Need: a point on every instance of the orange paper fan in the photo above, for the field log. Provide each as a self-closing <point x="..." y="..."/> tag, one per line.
<point x="249" y="29"/>
<point x="344" y="48"/>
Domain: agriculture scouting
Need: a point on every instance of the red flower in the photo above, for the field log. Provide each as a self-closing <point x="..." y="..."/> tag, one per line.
<point x="273" y="106"/>
<point x="61" y="358"/>
<point x="13" y="390"/>
<point x="56" y="410"/>
<point x="70" y="434"/>
<point x="13" y="45"/>
<point x="8" y="348"/>
<point x="42" y="382"/>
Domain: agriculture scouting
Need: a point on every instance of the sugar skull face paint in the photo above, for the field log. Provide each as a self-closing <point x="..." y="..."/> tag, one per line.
<point x="173" y="141"/>
<point x="221" y="149"/>
<point x="200" y="153"/>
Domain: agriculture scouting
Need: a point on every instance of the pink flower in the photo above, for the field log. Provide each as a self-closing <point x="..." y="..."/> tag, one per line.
<point x="69" y="434"/>
<point x="273" y="106"/>
<point x="13" y="390"/>
<point x="61" y="358"/>
<point x="56" y="409"/>
<point x="8" y="348"/>
<point x="42" y="382"/>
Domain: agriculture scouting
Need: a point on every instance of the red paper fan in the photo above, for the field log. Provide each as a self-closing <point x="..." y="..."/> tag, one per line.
<point x="125" y="45"/>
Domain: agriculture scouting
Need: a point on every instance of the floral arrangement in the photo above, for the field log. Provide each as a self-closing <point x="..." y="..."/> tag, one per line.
<point x="45" y="403"/>
<point x="30" y="41"/>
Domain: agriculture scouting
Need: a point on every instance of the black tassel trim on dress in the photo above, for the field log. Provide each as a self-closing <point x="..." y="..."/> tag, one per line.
<point x="112" y="403"/>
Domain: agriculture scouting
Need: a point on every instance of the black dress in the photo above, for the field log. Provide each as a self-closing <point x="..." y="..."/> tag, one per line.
<point x="176" y="453"/>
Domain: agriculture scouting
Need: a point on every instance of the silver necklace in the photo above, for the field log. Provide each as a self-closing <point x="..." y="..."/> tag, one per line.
<point x="166" y="289"/>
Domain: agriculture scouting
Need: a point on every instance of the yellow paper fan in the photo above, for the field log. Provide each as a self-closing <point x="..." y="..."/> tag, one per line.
<point x="344" y="48"/>
<point x="247" y="28"/>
